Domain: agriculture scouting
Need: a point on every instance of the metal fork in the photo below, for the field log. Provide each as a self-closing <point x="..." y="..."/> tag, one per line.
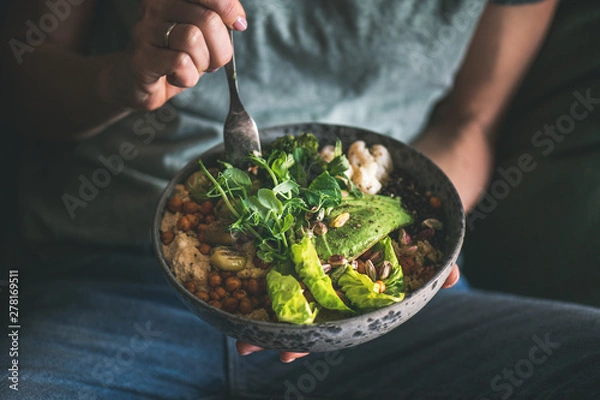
<point x="240" y="132"/>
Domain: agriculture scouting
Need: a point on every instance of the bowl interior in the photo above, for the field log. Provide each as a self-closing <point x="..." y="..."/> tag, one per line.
<point x="335" y="335"/>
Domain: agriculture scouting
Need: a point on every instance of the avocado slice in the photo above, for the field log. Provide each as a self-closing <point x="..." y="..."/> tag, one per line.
<point x="372" y="218"/>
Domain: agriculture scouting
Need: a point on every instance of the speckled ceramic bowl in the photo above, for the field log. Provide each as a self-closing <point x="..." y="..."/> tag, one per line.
<point x="352" y="331"/>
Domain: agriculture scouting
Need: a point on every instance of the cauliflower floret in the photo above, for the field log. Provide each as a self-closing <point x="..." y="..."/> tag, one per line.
<point x="327" y="154"/>
<point x="364" y="178"/>
<point x="371" y="166"/>
<point x="383" y="158"/>
<point x="187" y="261"/>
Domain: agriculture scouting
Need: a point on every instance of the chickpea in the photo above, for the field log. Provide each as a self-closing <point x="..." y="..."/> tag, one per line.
<point x="205" y="248"/>
<point x="214" y="279"/>
<point x="266" y="300"/>
<point x="216" y="304"/>
<point x="190" y="286"/>
<point x="206" y="208"/>
<point x="194" y="221"/>
<point x="201" y="237"/>
<point x="252" y="286"/>
<point x="246" y="306"/>
<point x="202" y="295"/>
<point x="174" y="204"/>
<point x="240" y="294"/>
<point x="233" y="283"/>
<point x="217" y="293"/>
<point x="202" y="226"/>
<point x="231" y="304"/>
<point x="262" y="285"/>
<point x="190" y="207"/>
<point x="184" y="224"/>
<point x="209" y="219"/>
<point x="255" y="302"/>
<point x="167" y="237"/>
<point x="226" y="274"/>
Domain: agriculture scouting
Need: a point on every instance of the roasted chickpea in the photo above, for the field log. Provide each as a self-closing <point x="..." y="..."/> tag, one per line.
<point x="233" y="283"/>
<point x="167" y="237"/>
<point x="194" y="220"/>
<point x="240" y="294"/>
<point x="216" y="304"/>
<point x="202" y="295"/>
<point x="217" y="293"/>
<point x="255" y="302"/>
<point x="252" y="286"/>
<point x="231" y="304"/>
<point x="206" y="208"/>
<point x="214" y="279"/>
<point x="201" y="237"/>
<point x="205" y="248"/>
<point x="191" y="207"/>
<point x="226" y="274"/>
<point x="190" y="286"/>
<point x="246" y="306"/>
<point x="184" y="224"/>
<point x="266" y="301"/>
<point x="209" y="219"/>
<point x="174" y="204"/>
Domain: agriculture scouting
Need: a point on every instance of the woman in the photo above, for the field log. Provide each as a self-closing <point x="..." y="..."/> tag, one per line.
<point x="136" y="85"/>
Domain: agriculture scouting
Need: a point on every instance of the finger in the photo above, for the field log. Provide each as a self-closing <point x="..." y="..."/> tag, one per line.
<point x="452" y="278"/>
<point x="231" y="12"/>
<point x="287" y="357"/>
<point x="245" y="349"/>
<point x="149" y="64"/>
<point x="214" y="30"/>
<point x="189" y="38"/>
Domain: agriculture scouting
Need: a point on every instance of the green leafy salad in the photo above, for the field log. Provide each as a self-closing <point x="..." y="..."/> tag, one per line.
<point x="325" y="245"/>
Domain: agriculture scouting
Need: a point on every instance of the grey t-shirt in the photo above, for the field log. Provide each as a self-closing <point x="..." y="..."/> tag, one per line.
<point x="377" y="64"/>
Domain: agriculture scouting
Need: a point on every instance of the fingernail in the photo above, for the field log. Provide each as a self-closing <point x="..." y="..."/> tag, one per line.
<point x="287" y="360"/>
<point x="240" y="24"/>
<point x="212" y="70"/>
<point x="246" y="353"/>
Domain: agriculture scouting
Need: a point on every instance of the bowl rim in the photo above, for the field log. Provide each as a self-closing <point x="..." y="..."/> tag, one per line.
<point x="183" y="173"/>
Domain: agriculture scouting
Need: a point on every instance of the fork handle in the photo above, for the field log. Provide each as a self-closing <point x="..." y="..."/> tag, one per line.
<point x="235" y="104"/>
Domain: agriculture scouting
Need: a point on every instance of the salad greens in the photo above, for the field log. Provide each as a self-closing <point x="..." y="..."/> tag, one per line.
<point x="308" y="268"/>
<point x="287" y="299"/>
<point x="363" y="293"/>
<point x="276" y="201"/>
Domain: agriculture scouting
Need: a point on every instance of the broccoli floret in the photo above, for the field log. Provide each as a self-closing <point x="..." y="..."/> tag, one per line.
<point x="285" y="143"/>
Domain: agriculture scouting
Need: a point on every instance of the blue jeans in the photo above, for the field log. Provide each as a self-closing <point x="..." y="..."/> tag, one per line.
<point x="113" y="329"/>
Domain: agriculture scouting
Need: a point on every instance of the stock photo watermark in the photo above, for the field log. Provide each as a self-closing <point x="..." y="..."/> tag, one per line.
<point x="506" y="383"/>
<point x="106" y="372"/>
<point x="317" y="372"/>
<point x="544" y="140"/>
<point x="37" y="31"/>
<point x="446" y="35"/>
<point x="14" y="327"/>
<point x="90" y="186"/>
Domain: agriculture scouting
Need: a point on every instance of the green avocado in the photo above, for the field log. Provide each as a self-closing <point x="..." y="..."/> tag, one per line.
<point x="372" y="218"/>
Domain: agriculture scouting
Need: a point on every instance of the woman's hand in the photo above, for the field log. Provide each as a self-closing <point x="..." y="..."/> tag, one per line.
<point x="173" y="44"/>
<point x="245" y="349"/>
